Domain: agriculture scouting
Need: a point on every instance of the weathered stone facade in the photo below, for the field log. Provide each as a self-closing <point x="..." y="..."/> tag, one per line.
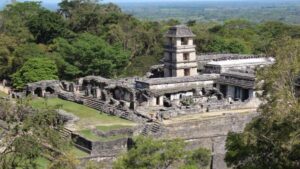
<point x="185" y="84"/>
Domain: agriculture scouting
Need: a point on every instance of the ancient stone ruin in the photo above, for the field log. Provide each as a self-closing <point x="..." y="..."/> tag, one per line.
<point x="183" y="84"/>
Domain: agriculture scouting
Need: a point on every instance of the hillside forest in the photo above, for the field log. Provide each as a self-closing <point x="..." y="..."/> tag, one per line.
<point x="87" y="38"/>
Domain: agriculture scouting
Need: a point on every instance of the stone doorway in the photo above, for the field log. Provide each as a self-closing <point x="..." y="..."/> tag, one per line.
<point x="38" y="92"/>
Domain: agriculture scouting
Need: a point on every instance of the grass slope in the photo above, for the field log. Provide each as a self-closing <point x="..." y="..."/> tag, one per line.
<point x="2" y="94"/>
<point x="89" y="118"/>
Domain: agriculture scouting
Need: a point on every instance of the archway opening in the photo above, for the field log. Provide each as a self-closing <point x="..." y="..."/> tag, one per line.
<point x="38" y="91"/>
<point x="50" y="90"/>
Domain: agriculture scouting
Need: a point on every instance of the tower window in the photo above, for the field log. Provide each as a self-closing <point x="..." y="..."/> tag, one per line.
<point x="186" y="56"/>
<point x="186" y="72"/>
<point x="184" y="41"/>
<point x="170" y="42"/>
<point x="170" y="56"/>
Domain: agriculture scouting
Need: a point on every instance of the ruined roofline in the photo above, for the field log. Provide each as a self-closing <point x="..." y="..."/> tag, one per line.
<point x="180" y="31"/>
<point x="242" y="61"/>
<point x="42" y="82"/>
<point x="220" y="57"/>
<point x="241" y="75"/>
<point x="160" y="92"/>
<point x="96" y="78"/>
<point x="172" y="80"/>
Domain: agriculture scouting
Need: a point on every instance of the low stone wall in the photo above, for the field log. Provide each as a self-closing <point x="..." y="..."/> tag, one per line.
<point x="209" y="133"/>
<point x="102" y="148"/>
<point x="206" y="108"/>
<point x="124" y="131"/>
<point x="110" y="148"/>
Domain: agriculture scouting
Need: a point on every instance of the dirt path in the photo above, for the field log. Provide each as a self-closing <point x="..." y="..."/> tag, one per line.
<point x="199" y="116"/>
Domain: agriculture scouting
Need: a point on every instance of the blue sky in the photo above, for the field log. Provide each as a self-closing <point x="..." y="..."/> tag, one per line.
<point x="56" y="1"/>
<point x="4" y="2"/>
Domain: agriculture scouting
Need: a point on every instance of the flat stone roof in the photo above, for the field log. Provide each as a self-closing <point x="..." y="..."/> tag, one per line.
<point x="172" y="80"/>
<point x="228" y="56"/>
<point x="238" y="62"/>
<point x="242" y="75"/>
<point x="159" y="92"/>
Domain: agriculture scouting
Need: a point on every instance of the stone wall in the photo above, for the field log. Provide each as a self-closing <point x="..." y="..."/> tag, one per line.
<point x="122" y="131"/>
<point x="209" y="133"/>
<point x="110" y="148"/>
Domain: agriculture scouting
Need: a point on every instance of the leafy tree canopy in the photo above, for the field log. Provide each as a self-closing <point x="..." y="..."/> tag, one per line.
<point x="31" y="135"/>
<point x="92" y="55"/>
<point x="272" y="139"/>
<point x="33" y="70"/>
<point x="46" y="25"/>
<point x="162" y="154"/>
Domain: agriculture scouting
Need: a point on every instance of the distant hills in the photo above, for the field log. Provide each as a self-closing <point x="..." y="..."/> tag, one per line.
<point x="205" y="11"/>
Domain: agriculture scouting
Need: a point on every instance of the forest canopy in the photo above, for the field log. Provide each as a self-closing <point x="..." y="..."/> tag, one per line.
<point x="87" y="38"/>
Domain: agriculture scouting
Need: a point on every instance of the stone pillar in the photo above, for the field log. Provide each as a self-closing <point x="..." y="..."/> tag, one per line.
<point x="153" y="101"/>
<point x="43" y="92"/>
<point x="98" y="92"/>
<point x="251" y="93"/>
<point x="161" y="100"/>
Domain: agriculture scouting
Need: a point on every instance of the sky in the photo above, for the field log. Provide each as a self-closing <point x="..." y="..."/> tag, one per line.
<point x="56" y="1"/>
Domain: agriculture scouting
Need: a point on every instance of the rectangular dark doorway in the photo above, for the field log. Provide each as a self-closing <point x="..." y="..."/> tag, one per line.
<point x="245" y="94"/>
<point x="223" y="90"/>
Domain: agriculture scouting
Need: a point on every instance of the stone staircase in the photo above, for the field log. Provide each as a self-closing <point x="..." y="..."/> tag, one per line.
<point x="65" y="133"/>
<point x="93" y="103"/>
<point x="112" y="110"/>
<point x="153" y="129"/>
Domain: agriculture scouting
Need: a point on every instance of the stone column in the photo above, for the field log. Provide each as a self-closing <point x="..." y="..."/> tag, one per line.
<point x="98" y="92"/>
<point x="153" y="101"/>
<point x="161" y="100"/>
<point x="43" y="92"/>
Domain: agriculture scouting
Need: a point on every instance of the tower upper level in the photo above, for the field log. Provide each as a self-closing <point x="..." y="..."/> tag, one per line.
<point x="180" y="53"/>
<point x="179" y="35"/>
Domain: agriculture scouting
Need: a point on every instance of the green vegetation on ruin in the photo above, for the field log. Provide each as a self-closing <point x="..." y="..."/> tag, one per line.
<point x="88" y="117"/>
<point x="112" y="127"/>
<point x="77" y="152"/>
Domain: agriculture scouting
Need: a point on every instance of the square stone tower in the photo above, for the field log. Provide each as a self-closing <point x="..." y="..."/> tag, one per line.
<point x="180" y="53"/>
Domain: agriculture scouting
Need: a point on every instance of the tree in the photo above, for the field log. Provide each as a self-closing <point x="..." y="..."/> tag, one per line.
<point x="161" y="154"/>
<point x="92" y="55"/>
<point x="31" y="134"/>
<point x="35" y="69"/>
<point x="46" y="25"/>
<point x="24" y="52"/>
<point x="272" y="139"/>
<point x="15" y="18"/>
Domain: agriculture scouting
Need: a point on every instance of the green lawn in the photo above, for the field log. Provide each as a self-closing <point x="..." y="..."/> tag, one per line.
<point x="89" y="118"/>
<point x="78" y="153"/>
<point x="2" y="94"/>
<point x="44" y="163"/>
<point x="114" y="127"/>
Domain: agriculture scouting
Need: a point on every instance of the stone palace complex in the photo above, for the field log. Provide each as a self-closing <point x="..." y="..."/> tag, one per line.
<point x="198" y="98"/>
<point x="184" y="83"/>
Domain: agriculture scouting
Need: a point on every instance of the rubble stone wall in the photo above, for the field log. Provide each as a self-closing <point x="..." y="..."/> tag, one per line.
<point x="209" y="133"/>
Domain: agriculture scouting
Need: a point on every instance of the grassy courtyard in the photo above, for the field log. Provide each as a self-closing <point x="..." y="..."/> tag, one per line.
<point x="2" y="94"/>
<point x="93" y="137"/>
<point x="89" y="118"/>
